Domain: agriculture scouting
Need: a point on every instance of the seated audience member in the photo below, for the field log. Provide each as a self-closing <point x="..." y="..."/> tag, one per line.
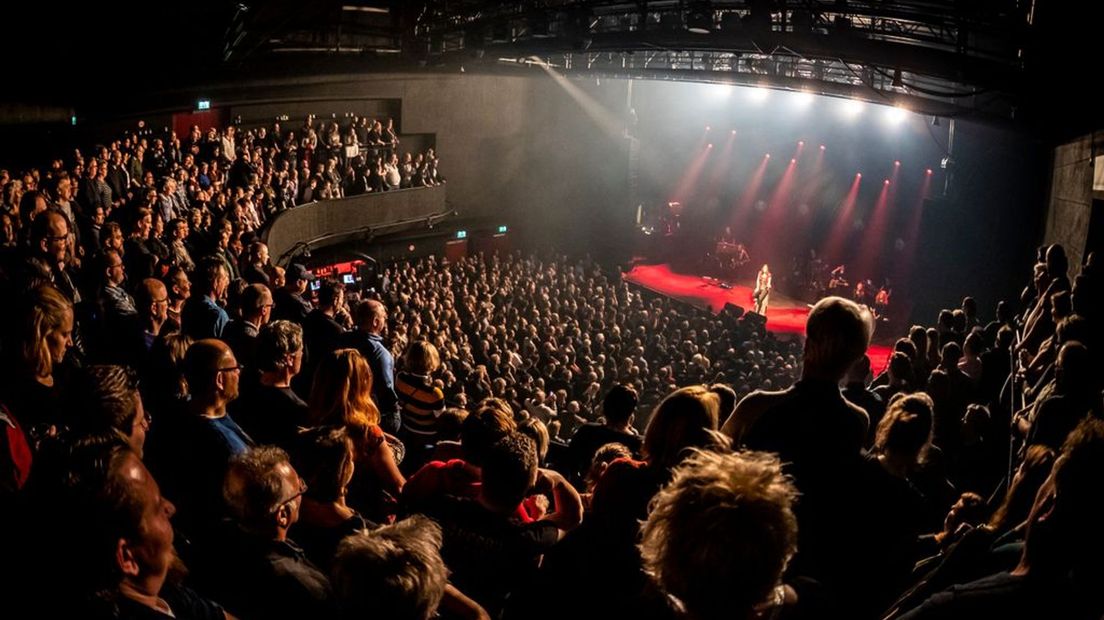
<point x="488" y="551"/>
<point x="119" y="555"/>
<point x="269" y="410"/>
<point x="341" y="397"/>
<point x="392" y="572"/>
<point x="1060" y="568"/>
<point x="241" y="333"/>
<point x="618" y="409"/>
<point x="258" y="571"/>
<point x="202" y="316"/>
<point x="719" y="536"/>
<point x="326" y="459"/>
<point x="112" y="405"/>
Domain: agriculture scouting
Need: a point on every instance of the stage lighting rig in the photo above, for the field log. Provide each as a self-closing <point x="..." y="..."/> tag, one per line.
<point x="699" y="19"/>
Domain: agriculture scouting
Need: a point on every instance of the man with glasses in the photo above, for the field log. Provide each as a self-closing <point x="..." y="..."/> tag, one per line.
<point x="203" y="436"/>
<point x="151" y="299"/>
<point x="116" y="305"/>
<point x="257" y="571"/>
<point x="241" y="334"/>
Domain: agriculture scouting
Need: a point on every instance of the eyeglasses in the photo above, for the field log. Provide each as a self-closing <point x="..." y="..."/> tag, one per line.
<point x="302" y="490"/>
<point x="230" y="369"/>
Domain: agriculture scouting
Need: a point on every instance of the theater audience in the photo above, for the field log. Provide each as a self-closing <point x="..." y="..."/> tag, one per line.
<point x="506" y="360"/>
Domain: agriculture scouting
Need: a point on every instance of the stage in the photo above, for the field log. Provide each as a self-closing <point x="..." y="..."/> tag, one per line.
<point x="784" y="315"/>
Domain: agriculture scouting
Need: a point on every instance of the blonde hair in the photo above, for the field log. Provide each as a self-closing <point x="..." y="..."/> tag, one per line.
<point x="725" y="519"/>
<point x="342" y="392"/>
<point x="421" y="357"/>
<point x="687" y="418"/>
<point x="44" y="312"/>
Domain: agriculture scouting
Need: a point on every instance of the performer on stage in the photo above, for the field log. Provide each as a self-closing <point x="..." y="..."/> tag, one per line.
<point x="761" y="296"/>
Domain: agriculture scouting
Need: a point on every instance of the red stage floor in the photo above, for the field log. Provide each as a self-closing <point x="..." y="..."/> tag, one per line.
<point x="784" y="315"/>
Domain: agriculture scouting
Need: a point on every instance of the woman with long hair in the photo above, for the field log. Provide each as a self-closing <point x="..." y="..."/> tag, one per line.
<point x="341" y="396"/>
<point x="43" y="335"/>
<point x="763" y="286"/>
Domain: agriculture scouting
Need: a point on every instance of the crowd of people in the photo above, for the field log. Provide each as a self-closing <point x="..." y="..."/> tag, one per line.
<point x="244" y="176"/>
<point x="519" y="435"/>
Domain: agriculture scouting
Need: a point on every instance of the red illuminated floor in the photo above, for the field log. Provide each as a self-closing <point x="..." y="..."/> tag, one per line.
<point x="784" y="315"/>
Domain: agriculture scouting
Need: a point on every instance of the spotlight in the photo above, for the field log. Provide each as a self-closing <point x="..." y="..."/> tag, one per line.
<point x="803" y="98"/>
<point x="793" y="160"/>
<point x="733" y="132"/>
<point x="887" y="181"/>
<point x="767" y="156"/>
<point x="852" y="108"/>
<point x="897" y="163"/>
<point x="822" y="147"/>
<point x="858" y="175"/>
<point x="895" y="115"/>
<point x="759" y="94"/>
<point x="801" y="143"/>
<point x="707" y="127"/>
<point x="709" y="146"/>
<point x="929" y="171"/>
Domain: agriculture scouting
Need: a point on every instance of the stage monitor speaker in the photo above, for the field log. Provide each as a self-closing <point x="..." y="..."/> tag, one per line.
<point x="755" y="321"/>
<point x="732" y="310"/>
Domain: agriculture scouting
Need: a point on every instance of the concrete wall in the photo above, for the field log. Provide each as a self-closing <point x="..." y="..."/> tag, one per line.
<point x="1071" y="199"/>
<point x="334" y="221"/>
<point x="520" y="148"/>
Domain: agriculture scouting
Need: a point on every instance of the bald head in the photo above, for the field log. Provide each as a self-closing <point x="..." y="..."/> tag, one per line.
<point x="371" y="316"/>
<point x="837" y="334"/>
<point x="152" y="299"/>
<point x="204" y="364"/>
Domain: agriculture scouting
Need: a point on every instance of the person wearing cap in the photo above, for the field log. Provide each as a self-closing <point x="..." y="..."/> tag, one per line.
<point x="290" y="303"/>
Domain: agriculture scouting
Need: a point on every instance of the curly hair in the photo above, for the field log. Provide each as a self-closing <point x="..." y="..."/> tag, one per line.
<point x="725" y="518"/>
<point x="395" y="571"/>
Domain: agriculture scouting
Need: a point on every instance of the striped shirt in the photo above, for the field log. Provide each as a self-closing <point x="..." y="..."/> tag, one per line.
<point x="421" y="403"/>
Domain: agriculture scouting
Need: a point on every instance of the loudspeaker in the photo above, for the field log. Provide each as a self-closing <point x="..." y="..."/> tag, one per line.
<point x="732" y="311"/>
<point x="755" y="321"/>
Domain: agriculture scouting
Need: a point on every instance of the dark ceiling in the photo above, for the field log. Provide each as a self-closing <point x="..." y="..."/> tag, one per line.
<point x="1023" y="63"/>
